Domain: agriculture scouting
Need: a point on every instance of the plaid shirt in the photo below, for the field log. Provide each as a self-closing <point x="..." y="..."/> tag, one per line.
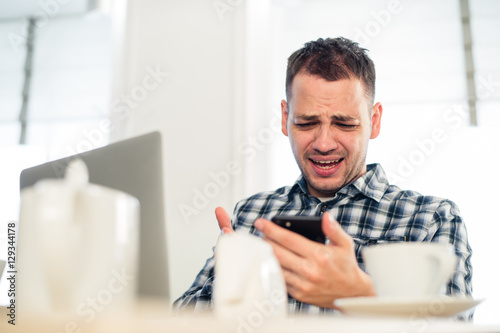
<point x="370" y="210"/>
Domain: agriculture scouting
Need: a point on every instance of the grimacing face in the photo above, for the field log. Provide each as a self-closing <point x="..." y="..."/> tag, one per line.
<point x="329" y="124"/>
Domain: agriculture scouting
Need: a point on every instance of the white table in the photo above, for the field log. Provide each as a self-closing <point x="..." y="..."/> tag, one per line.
<point x="156" y="318"/>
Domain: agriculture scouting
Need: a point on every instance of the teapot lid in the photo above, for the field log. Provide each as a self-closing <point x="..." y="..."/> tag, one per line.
<point x="77" y="173"/>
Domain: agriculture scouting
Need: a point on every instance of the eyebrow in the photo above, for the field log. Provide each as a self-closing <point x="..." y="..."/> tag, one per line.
<point x="342" y="117"/>
<point x="337" y="117"/>
<point x="307" y="117"/>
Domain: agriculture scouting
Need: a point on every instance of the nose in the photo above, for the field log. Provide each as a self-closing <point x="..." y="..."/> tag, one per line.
<point x="325" y="140"/>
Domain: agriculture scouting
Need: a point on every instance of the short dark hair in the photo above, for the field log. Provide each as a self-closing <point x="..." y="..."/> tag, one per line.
<point x="333" y="59"/>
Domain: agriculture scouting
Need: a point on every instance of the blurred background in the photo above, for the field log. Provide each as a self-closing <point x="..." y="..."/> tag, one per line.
<point x="209" y="75"/>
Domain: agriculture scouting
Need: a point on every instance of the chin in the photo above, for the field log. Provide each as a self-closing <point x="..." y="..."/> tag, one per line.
<point x="326" y="189"/>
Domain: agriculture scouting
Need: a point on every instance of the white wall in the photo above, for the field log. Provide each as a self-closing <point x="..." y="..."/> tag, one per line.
<point x="192" y="105"/>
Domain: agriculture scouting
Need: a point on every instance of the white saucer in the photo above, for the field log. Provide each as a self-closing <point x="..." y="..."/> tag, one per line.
<point x="431" y="306"/>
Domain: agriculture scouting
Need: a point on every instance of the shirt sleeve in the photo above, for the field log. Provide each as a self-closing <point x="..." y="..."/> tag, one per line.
<point x="450" y="228"/>
<point x="198" y="297"/>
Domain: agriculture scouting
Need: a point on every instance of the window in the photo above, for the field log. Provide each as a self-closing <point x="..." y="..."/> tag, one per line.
<point x="69" y="93"/>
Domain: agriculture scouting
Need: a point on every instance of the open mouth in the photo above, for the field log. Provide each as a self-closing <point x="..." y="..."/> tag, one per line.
<point x="326" y="165"/>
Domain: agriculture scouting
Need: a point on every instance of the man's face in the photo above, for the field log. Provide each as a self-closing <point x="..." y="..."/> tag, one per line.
<point x="329" y="125"/>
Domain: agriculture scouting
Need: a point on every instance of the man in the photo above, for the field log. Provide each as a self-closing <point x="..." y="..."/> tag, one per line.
<point x="329" y="118"/>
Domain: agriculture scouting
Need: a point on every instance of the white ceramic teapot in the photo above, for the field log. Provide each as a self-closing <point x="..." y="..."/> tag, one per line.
<point x="77" y="242"/>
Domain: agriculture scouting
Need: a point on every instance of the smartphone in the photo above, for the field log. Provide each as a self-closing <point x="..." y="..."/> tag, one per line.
<point x="307" y="226"/>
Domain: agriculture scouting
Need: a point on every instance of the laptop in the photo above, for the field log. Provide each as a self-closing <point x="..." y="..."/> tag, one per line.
<point x="133" y="166"/>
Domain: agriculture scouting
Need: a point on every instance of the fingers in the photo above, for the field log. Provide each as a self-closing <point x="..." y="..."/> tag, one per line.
<point x="333" y="230"/>
<point x="224" y="220"/>
<point x="285" y="238"/>
<point x="293" y="281"/>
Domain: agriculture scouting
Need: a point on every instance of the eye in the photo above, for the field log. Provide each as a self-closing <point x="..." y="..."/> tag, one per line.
<point x="347" y="126"/>
<point x="305" y="125"/>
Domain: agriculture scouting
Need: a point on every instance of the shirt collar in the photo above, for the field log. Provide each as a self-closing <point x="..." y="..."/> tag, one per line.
<point x="372" y="184"/>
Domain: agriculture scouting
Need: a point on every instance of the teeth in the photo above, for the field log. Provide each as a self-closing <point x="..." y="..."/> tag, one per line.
<point x="327" y="162"/>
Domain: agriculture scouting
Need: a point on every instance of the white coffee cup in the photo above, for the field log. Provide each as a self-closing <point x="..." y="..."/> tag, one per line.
<point x="414" y="269"/>
<point x="249" y="281"/>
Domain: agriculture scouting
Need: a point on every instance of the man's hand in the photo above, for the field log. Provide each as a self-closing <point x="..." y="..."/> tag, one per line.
<point x="224" y="220"/>
<point x="315" y="273"/>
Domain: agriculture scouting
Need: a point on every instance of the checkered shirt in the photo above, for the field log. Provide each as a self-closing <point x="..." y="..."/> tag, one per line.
<point x="370" y="210"/>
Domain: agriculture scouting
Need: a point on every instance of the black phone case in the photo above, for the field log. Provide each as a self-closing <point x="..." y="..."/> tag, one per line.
<point x="307" y="226"/>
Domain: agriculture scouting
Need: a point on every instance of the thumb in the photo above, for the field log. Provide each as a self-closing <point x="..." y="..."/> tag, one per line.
<point x="333" y="230"/>
<point x="224" y="220"/>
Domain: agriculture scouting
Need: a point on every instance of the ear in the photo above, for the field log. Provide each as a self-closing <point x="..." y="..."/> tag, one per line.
<point x="376" y="119"/>
<point x="284" y="117"/>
